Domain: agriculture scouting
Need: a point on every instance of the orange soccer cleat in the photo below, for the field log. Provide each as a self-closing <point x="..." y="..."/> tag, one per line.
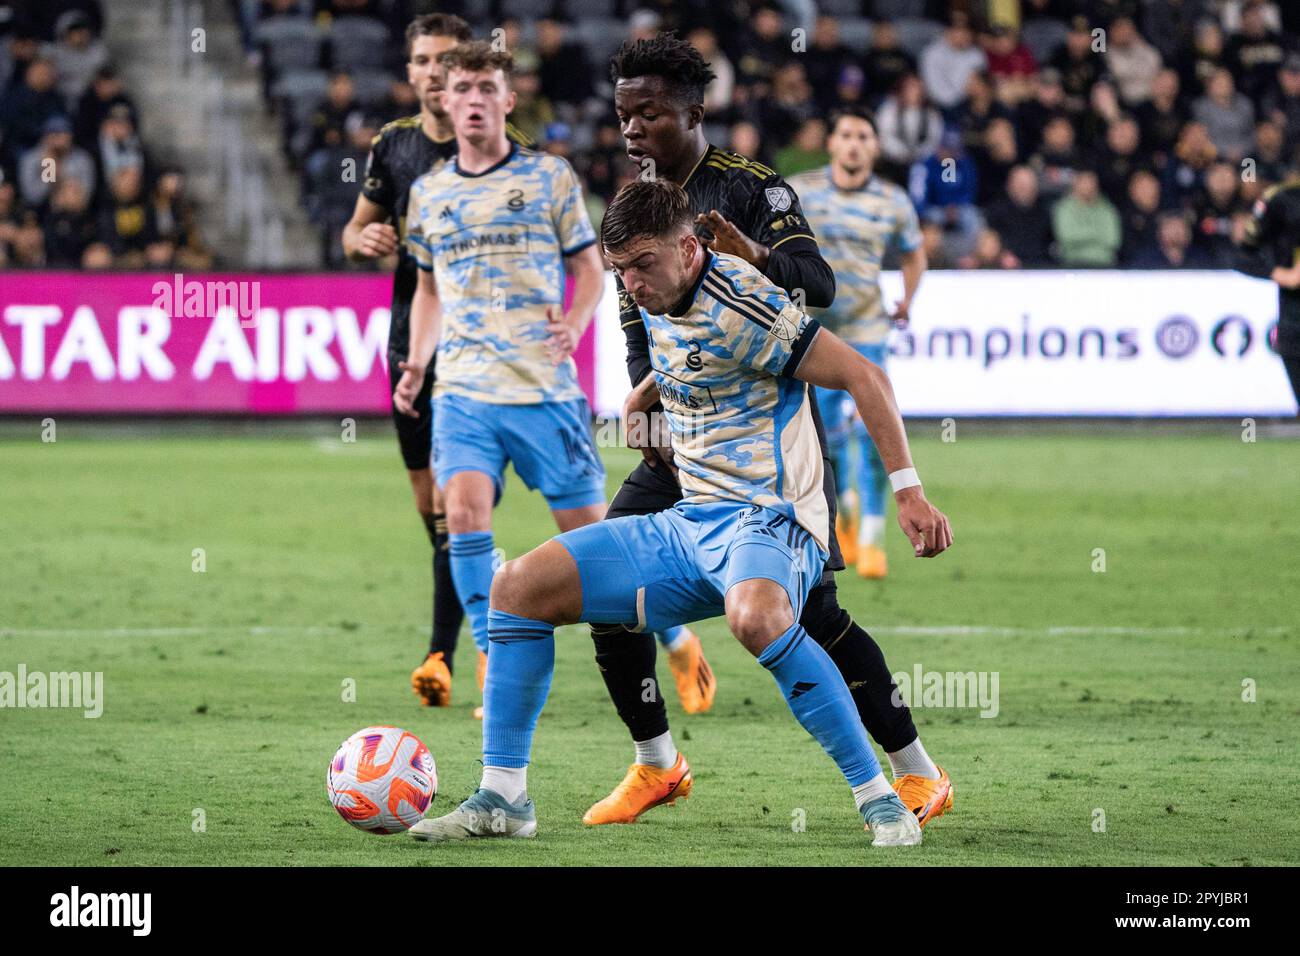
<point x="481" y="674"/>
<point x="928" y="799"/>
<point x="846" y="529"/>
<point x="871" y="562"/>
<point x="696" y="684"/>
<point x="643" y="787"/>
<point x="431" y="681"/>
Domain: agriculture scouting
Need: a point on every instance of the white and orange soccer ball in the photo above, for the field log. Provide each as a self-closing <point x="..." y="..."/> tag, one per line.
<point x="382" y="779"/>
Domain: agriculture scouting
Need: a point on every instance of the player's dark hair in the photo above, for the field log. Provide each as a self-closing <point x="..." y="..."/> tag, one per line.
<point x="477" y="56"/>
<point x="437" y="25"/>
<point x="681" y="66"/>
<point x="646" y="207"/>
<point x="853" y="112"/>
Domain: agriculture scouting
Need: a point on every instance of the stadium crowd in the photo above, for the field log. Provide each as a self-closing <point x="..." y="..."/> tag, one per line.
<point x="78" y="188"/>
<point x="1029" y="133"/>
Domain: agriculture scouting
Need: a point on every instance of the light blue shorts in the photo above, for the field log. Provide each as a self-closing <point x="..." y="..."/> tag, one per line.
<point x="836" y="407"/>
<point x="651" y="572"/>
<point x="549" y="444"/>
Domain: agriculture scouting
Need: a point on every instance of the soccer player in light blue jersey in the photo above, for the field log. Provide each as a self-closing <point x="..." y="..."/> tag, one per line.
<point x="493" y="231"/>
<point x="858" y="217"/>
<point x="732" y="357"/>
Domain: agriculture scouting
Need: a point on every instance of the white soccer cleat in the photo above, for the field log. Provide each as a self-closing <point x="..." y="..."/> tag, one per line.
<point x="485" y="814"/>
<point x="890" y="822"/>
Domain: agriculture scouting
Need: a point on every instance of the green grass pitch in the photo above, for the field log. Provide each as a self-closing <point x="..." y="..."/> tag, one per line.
<point x="1120" y="692"/>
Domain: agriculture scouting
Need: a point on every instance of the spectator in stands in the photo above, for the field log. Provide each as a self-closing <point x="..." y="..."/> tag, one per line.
<point x="886" y="62"/>
<point x="1214" y="212"/>
<point x="788" y="103"/>
<point x="1269" y="154"/>
<point x="1022" y="219"/>
<point x="1228" y="116"/>
<point x="1049" y="101"/>
<point x="330" y="120"/>
<point x="644" y="25"/>
<point x="1170" y="24"/>
<point x="806" y="151"/>
<point x="948" y="61"/>
<point x="604" y="160"/>
<point x="105" y="92"/>
<point x="533" y="110"/>
<point x="126" y="223"/>
<point x="765" y="48"/>
<point x="562" y="66"/>
<point x="718" y="94"/>
<point x="851" y="89"/>
<point x="351" y="8"/>
<point x="176" y="220"/>
<point x="936" y="250"/>
<point x="10" y="218"/>
<point x="745" y="140"/>
<point x="1207" y="56"/>
<point x="1086" y="226"/>
<point x="1077" y="64"/>
<point x="22" y="49"/>
<point x="76" y="57"/>
<point x="943" y="187"/>
<point x="1184" y="176"/>
<point x="26" y="106"/>
<point x="1132" y="61"/>
<point x="400" y="101"/>
<point x="1104" y="108"/>
<point x="989" y="253"/>
<point x="827" y="57"/>
<point x="1117" y="158"/>
<point x="1282" y="103"/>
<point x="1138" y="216"/>
<point x="1011" y="64"/>
<point x="977" y="111"/>
<point x="1173" y="247"/>
<point x="910" y="128"/>
<point x="69" y="228"/>
<point x="119" y="147"/>
<point x="1056" y="159"/>
<point x="1255" y="53"/>
<point x="1161" y="118"/>
<point x="995" y="159"/>
<point x="333" y="196"/>
<point x="54" y="159"/>
<point x="28" y="245"/>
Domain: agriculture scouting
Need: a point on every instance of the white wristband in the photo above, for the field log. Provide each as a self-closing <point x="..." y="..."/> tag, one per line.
<point x="904" y="478"/>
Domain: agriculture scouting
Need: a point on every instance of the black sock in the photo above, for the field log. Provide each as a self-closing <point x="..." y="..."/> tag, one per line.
<point x="447" y="612"/>
<point x="627" y="662"/>
<point x="862" y="664"/>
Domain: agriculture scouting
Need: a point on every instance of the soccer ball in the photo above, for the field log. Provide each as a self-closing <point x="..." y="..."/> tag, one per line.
<point x="382" y="779"/>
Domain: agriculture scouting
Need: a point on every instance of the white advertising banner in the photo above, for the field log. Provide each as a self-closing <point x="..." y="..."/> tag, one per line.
<point x="1064" y="343"/>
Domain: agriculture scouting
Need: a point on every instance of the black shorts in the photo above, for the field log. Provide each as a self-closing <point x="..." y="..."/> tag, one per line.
<point x="414" y="435"/>
<point x="649" y="490"/>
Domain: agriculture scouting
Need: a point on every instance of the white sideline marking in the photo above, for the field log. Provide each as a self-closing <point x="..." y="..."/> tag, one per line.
<point x="939" y="630"/>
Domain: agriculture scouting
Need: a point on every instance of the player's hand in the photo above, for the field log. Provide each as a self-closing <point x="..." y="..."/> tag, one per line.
<point x="901" y="314"/>
<point x="377" y="239"/>
<point x="408" y="389"/>
<point x="925" y="525"/>
<point x="1288" y="277"/>
<point x="563" y="340"/>
<point x="730" y="241"/>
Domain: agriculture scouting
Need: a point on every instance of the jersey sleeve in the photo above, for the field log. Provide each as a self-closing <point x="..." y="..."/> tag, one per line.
<point x="569" y="212"/>
<point x="773" y="214"/>
<point x="907" y="227"/>
<point x="765" y="330"/>
<point x="634" y="330"/>
<point x="379" y="186"/>
<point x="417" y="240"/>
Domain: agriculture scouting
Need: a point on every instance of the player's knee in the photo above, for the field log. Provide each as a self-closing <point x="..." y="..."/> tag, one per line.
<point x="757" y="624"/>
<point x="466" y="517"/>
<point x="514" y="590"/>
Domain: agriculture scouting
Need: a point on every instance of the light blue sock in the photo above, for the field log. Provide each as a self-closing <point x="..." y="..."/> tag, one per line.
<point x="471" y="570"/>
<point x="518" y="680"/>
<point x="669" y="637"/>
<point x="871" y="477"/>
<point x="817" y="694"/>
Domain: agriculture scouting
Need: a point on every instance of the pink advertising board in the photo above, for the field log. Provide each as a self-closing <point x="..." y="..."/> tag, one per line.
<point x="147" y="343"/>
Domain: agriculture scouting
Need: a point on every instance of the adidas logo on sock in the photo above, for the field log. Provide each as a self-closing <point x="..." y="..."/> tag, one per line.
<point x="476" y="599"/>
<point x="800" y="688"/>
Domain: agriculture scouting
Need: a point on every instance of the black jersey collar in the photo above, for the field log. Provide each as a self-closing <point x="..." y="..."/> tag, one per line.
<point x="491" y="169"/>
<point x="685" y="302"/>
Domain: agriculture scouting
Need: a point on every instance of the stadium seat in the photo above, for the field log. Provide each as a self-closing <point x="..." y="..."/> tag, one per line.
<point x="291" y="43"/>
<point x="370" y="85"/>
<point x="840" y="8"/>
<point x="899" y="9"/>
<point x="528" y="9"/>
<point x="1043" y="35"/>
<point x="914" y="33"/>
<point x="601" y="37"/>
<point x="855" y="33"/>
<point x="357" y="43"/>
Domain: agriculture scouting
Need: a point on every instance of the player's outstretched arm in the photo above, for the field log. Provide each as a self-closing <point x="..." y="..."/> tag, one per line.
<point x="368" y="234"/>
<point x="831" y="363"/>
<point x="426" y="326"/>
<point x="588" y="272"/>
<point x="913" y="265"/>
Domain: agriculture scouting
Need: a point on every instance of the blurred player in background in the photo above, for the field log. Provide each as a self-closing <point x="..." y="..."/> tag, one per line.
<point x="1271" y="250"/>
<point x="744" y="209"/>
<point x="493" y="231"/>
<point x="403" y="151"/>
<point x="858" y="217"/>
<point x="749" y="539"/>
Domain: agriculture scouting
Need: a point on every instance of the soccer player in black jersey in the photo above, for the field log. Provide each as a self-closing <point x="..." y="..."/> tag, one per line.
<point x="1271" y="250"/>
<point x="745" y="209"/>
<point x="403" y="151"/>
